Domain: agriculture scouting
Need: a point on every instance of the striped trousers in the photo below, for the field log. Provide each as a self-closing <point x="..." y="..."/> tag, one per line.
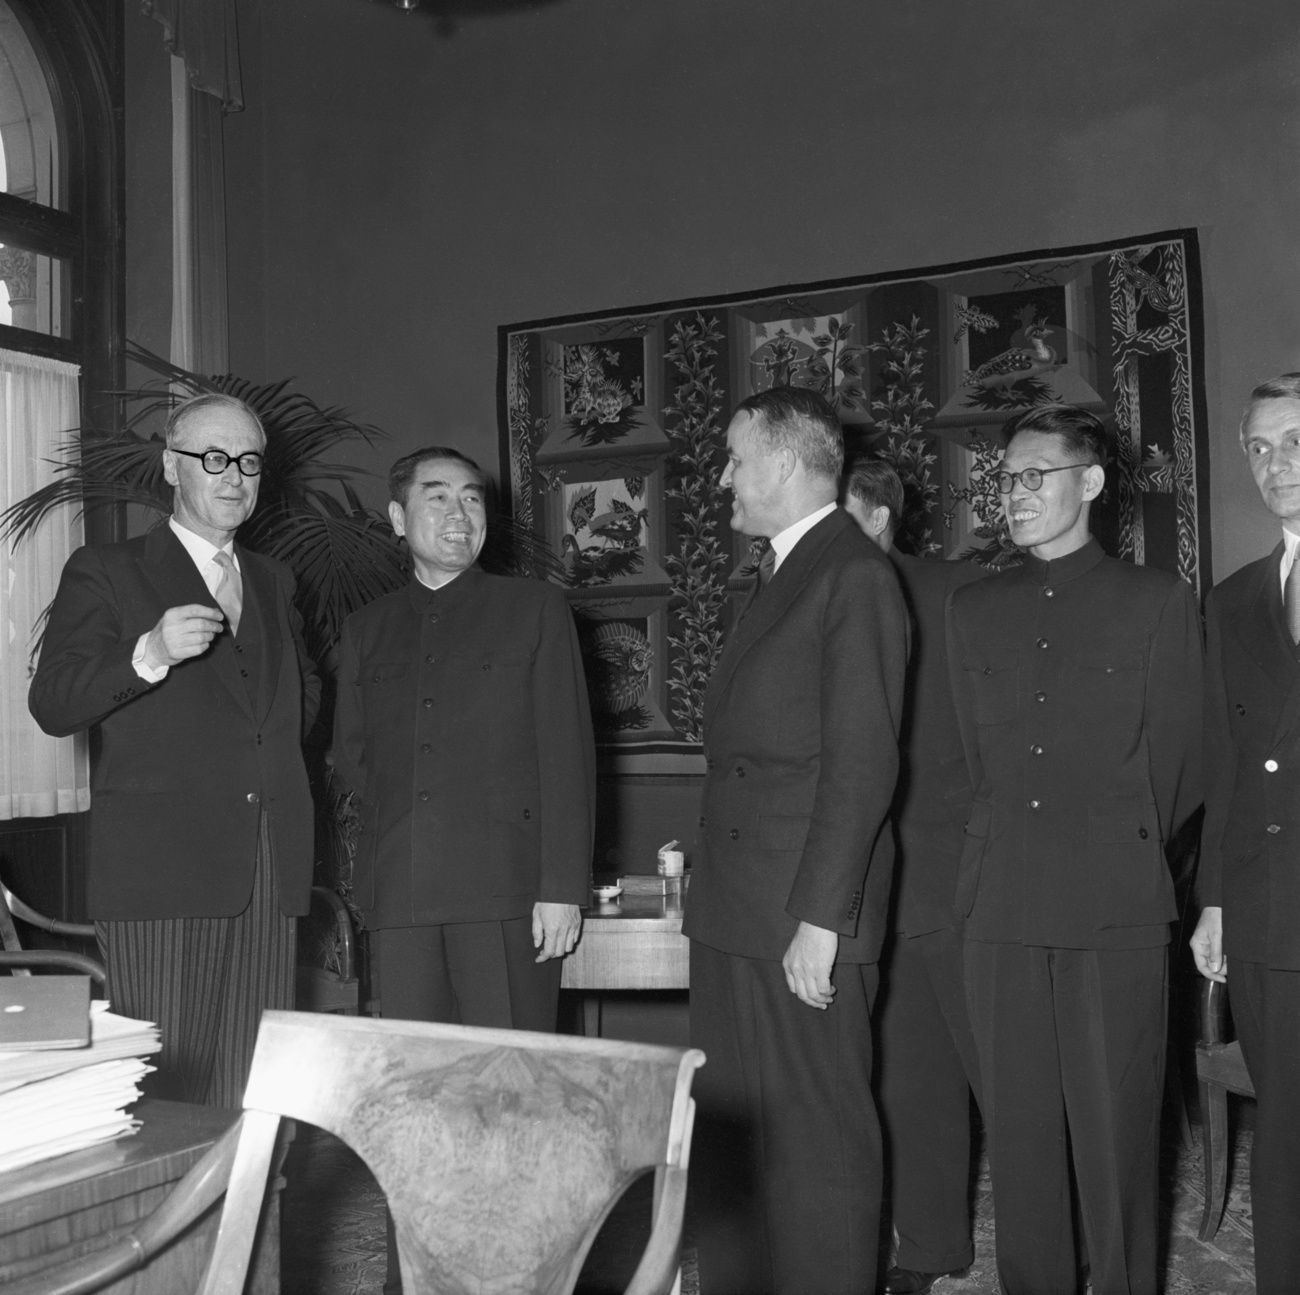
<point x="205" y="981"/>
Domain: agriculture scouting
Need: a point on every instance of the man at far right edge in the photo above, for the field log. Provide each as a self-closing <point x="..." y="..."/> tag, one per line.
<point x="1077" y="682"/>
<point x="1249" y="932"/>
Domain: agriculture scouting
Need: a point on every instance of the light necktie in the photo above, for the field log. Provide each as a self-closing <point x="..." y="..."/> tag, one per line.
<point x="229" y="592"/>
<point x="1291" y="599"/>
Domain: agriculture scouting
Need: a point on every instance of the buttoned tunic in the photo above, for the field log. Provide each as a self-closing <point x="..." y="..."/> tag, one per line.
<point x="463" y="726"/>
<point x="1078" y="691"/>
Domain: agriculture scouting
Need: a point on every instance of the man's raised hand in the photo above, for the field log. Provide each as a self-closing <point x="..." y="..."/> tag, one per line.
<point x="183" y="632"/>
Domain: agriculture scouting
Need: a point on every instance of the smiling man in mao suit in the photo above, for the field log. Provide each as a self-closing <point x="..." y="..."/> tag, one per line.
<point x="463" y="727"/>
<point x="1077" y="685"/>
<point x="1249" y="932"/>
<point x="181" y="652"/>
<point x="791" y="874"/>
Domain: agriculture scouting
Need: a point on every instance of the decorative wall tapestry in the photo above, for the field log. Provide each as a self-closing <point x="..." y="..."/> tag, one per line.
<point x="613" y="432"/>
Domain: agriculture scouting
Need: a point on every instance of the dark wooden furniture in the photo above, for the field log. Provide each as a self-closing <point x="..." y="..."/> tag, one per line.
<point x="72" y="1206"/>
<point x="1220" y="1070"/>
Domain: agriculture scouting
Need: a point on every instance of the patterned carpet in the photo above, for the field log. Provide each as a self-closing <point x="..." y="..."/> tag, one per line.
<point x="333" y="1229"/>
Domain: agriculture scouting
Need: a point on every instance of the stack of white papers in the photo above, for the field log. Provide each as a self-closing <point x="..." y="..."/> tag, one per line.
<point x="62" y="1100"/>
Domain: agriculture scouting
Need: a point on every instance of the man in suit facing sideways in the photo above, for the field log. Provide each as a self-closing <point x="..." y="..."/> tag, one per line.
<point x="791" y="875"/>
<point x="1249" y="932"/>
<point x="1077" y="681"/>
<point x="927" y="1065"/>
<point x="181" y="652"/>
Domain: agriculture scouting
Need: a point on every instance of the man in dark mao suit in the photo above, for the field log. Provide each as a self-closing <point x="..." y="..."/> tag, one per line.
<point x="927" y="1066"/>
<point x="181" y="652"/>
<point x="1077" y="681"/>
<point x="463" y="726"/>
<point x="791" y="874"/>
<point x="1249" y="932"/>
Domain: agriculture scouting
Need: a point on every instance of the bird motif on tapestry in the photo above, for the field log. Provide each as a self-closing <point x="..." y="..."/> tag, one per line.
<point x="1017" y="362"/>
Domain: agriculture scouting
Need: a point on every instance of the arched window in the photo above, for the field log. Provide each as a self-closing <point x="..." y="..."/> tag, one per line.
<point x="60" y="349"/>
<point x="60" y="237"/>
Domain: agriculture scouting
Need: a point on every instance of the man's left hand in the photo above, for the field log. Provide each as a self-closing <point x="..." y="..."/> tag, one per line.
<point x="556" y="928"/>
<point x="808" y="962"/>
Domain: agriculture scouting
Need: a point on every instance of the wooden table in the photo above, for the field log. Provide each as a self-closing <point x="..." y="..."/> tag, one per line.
<point x="635" y="942"/>
<point x="70" y="1205"/>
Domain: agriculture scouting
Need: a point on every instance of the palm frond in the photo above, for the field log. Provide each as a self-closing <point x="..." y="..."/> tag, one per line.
<point x="341" y="559"/>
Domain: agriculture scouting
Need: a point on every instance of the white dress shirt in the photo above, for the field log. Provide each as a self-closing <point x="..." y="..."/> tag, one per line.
<point x="204" y="553"/>
<point x="788" y="538"/>
<point x="1292" y="541"/>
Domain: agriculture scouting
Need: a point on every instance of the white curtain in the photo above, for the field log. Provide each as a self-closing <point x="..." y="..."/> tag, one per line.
<point x="39" y="775"/>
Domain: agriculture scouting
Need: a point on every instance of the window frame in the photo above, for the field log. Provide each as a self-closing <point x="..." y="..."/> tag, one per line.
<point x="79" y="47"/>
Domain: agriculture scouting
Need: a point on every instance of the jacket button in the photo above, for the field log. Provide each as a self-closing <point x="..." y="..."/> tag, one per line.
<point x="710" y="764"/>
<point x="1241" y="710"/>
<point x="428" y="660"/>
<point x="1270" y="765"/>
<point x="740" y="772"/>
<point x="433" y="616"/>
<point x="1274" y="829"/>
<point x="701" y="820"/>
<point x="1035" y="750"/>
<point x="735" y="834"/>
<point x="377" y="677"/>
<point x="1042" y="643"/>
<point x="424" y="795"/>
<point x="1142" y="832"/>
<point x="1033" y="804"/>
<point x="1049" y="592"/>
<point x="1040" y="696"/>
<point x="988" y="669"/>
<point x="528" y="813"/>
<point x="428" y="703"/>
<point x="254" y="798"/>
<point x="426" y="747"/>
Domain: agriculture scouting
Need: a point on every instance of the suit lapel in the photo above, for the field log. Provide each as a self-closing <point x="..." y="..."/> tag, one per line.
<point x="1263" y="633"/>
<point x="259" y="585"/>
<point x="764" y="609"/>
<point x="176" y="580"/>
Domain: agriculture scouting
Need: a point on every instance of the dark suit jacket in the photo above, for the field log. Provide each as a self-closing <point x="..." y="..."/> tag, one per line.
<point x="933" y="799"/>
<point x="181" y="769"/>
<point x="463" y="726"/>
<point x="1077" y="684"/>
<point x="801" y="724"/>
<point x="1250" y="853"/>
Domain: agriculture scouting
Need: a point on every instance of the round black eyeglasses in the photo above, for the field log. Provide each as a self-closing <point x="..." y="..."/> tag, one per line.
<point x="1031" y="478"/>
<point x="217" y="461"/>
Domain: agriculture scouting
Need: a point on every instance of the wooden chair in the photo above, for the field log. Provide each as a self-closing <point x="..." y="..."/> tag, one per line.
<point x="19" y="960"/>
<point x="501" y="1151"/>
<point x="1220" y="1070"/>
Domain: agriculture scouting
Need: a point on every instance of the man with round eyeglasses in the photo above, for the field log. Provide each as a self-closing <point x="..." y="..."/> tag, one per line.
<point x="182" y="654"/>
<point x="1077" y="682"/>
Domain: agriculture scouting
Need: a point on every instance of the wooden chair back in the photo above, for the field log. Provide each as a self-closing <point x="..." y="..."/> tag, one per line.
<point x="501" y="1151"/>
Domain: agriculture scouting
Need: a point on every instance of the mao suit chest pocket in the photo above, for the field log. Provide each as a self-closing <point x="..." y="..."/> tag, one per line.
<point x="993" y="676"/>
<point x="385" y="688"/>
<point x="1110" y="675"/>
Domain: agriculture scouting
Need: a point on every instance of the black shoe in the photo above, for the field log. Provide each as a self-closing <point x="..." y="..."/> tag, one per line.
<point x="907" y="1281"/>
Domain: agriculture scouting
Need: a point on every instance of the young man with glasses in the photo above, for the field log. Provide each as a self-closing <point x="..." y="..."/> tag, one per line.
<point x="180" y="651"/>
<point x="1077" y="681"/>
